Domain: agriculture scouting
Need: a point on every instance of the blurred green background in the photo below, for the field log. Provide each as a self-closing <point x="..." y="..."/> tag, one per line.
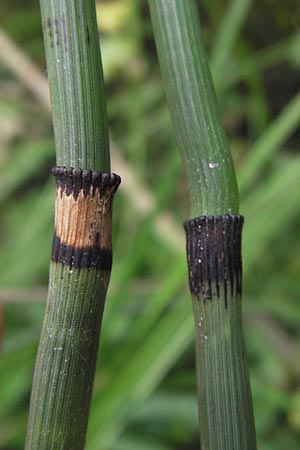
<point x="144" y="395"/>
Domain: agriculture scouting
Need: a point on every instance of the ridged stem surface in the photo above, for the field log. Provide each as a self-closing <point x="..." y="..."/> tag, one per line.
<point x="215" y="276"/>
<point x="193" y="107"/>
<point x="66" y="358"/>
<point x="75" y="76"/>
<point x="224" y="397"/>
<point x="80" y="268"/>
<point x="213" y="234"/>
<point x="81" y="252"/>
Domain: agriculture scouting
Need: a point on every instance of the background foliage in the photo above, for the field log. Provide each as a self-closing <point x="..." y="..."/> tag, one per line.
<point x="144" y="396"/>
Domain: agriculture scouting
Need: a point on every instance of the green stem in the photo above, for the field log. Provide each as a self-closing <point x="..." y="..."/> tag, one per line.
<point x="213" y="239"/>
<point x="193" y="107"/>
<point x="76" y="83"/>
<point x="215" y="275"/>
<point x="225" y="404"/>
<point x="81" y="251"/>
<point x="66" y="360"/>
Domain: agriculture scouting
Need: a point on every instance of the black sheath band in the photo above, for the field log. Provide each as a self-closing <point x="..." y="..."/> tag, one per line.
<point x="81" y="258"/>
<point x="213" y="245"/>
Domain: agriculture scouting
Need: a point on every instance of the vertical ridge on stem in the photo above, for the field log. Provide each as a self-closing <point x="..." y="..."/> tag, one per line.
<point x="193" y="107"/>
<point x="81" y="256"/>
<point x="213" y="232"/>
<point x="79" y="276"/>
<point x="76" y="82"/>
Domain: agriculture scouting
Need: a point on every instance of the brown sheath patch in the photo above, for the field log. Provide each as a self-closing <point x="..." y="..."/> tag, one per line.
<point x="83" y="217"/>
<point x="214" y="256"/>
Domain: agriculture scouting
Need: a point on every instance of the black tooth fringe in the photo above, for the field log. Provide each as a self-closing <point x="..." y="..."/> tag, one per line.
<point x="73" y="180"/>
<point x="213" y="245"/>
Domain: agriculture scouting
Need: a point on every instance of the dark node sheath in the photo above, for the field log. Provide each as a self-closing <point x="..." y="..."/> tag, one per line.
<point x="83" y="217"/>
<point x="213" y="245"/>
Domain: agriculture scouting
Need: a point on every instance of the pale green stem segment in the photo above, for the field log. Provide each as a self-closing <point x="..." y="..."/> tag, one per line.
<point x="76" y="84"/>
<point x="224" y="397"/>
<point x="65" y="364"/>
<point x="193" y="107"/>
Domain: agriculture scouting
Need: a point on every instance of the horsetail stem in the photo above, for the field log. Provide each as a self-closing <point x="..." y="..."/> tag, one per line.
<point x="81" y="251"/>
<point x="75" y="76"/>
<point x="213" y="233"/>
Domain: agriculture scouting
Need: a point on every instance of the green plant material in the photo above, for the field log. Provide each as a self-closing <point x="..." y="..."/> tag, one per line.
<point x="145" y="368"/>
<point x="174" y="275"/>
<point x="225" y="403"/>
<point x="81" y="251"/>
<point x="18" y="378"/>
<point x="23" y="164"/>
<point x="193" y="108"/>
<point x="271" y="277"/>
<point x="230" y="28"/>
<point x="224" y="397"/>
<point x="276" y="196"/>
<point x="271" y="140"/>
<point x="282" y="52"/>
<point x="139" y="443"/>
<point x="37" y="208"/>
<point x="76" y="84"/>
<point x="65" y="365"/>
